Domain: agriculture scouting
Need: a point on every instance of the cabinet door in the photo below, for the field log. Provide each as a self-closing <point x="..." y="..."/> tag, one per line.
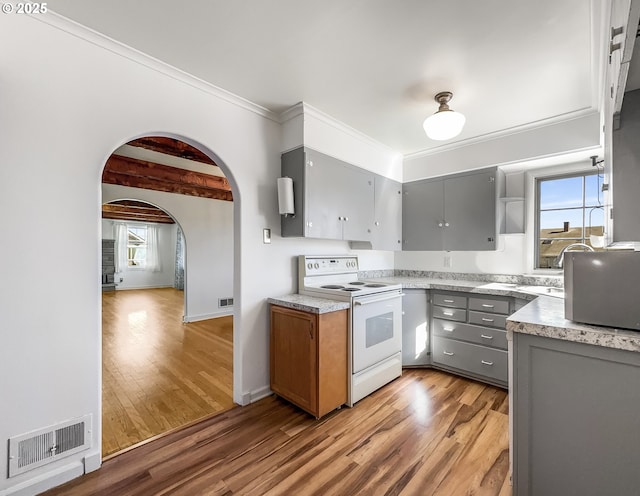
<point x="422" y="214"/>
<point x="576" y="422"/>
<point x="354" y="202"/>
<point x="293" y="356"/>
<point x="323" y="198"/>
<point x="387" y="226"/>
<point x="415" y="328"/>
<point x="470" y="212"/>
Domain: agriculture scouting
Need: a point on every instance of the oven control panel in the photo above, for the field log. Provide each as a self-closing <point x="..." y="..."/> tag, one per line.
<point x="320" y="265"/>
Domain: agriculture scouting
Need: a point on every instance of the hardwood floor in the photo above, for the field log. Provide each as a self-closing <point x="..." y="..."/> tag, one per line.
<point x="426" y="433"/>
<point x="158" y="373"/>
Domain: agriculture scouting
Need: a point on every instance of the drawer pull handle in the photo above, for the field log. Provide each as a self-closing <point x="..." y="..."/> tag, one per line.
<point x="484" y="362"/>
<point x="484" y="336"/>
<point x="484" y="319"/>
<point x="448" y="353"/>
<point x="448" y="314"/>
<point x="447" y="329"/>
<point x="448" y="301"/>
<point x="486" y="305"/>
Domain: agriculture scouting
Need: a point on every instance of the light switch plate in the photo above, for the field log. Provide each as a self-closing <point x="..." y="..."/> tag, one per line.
<point x="266" y="236"/>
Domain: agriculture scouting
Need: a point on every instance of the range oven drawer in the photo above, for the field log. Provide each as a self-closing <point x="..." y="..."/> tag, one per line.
<point x="472" y="358"/>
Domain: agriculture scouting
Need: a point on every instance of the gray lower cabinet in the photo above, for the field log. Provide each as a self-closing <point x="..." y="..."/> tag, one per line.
<point x="415" y="328"/>
<point x="332" y="199"/>
<point x="576" y="419"/>
<point x="454" y="213"/>
<point x="469" y="336"/>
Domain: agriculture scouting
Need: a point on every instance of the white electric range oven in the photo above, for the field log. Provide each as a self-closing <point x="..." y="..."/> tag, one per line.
<point x="375" y="337"/>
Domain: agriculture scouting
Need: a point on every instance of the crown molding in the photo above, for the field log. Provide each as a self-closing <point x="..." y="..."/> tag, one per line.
<point x="304" y="109"/>
<point x="551" y="121"/>
<point x="100" y="40"/>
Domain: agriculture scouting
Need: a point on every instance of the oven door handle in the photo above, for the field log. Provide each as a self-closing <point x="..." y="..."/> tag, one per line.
<point x="377" y="300"/>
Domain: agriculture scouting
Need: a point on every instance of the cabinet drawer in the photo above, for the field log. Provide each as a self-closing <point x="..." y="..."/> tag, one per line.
<point x="472" y="358"/>
<point x="449" y="313"/>
<point x="489" y="305"/>
<point x="495" y="338"/>
<point x="449" y="301"/>
<point x="488" y="319"/>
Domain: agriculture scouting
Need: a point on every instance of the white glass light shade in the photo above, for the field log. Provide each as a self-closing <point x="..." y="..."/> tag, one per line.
<point x="444" y="125"/>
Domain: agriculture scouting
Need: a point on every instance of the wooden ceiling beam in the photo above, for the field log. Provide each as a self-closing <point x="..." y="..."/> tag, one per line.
<point x="136" y="217"/>
<point x="147" y="213"/>
<point x="136" y="173"/>
<point x="109" y="177"/>
<point x="173" y="147"/>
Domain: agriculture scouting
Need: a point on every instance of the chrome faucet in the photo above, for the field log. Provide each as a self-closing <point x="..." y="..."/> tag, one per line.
<point x="558" y="261"/>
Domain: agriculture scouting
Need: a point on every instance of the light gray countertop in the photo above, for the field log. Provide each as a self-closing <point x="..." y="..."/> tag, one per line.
<point x="310" y="304"/>
<point x="545" y="317"/>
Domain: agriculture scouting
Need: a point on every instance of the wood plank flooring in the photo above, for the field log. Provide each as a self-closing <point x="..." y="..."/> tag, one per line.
<point x="158" y="373"/>
<point x="426" y="433"/>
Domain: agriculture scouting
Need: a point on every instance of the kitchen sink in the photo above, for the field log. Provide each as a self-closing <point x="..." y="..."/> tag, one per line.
<point x="539" y="290"/>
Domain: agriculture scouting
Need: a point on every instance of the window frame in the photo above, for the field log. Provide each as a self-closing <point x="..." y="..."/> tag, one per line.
<point x="137" y="226"/>
<point x="543" y="170"/>
<point x="537" y="181"/>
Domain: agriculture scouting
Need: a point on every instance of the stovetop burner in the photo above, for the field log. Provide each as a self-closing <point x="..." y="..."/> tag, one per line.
<point x="351" y="289"/>
<point x="374" y="285"/>
<point x="357" y="283"/>
<point x="332" y="286"/>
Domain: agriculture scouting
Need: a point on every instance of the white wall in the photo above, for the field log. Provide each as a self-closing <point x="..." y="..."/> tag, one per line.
<point x="553" y="140"/>
<point x="68" y="99"/>
<point x="508" y="258"/>
<point x="66" y="105"/>
<point x="139" y="278"/>
<point x="207" y="226"/>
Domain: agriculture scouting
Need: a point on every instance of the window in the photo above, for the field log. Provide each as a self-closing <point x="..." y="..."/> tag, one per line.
<point x="137" y="246"/>
<point x="569" y="210"/>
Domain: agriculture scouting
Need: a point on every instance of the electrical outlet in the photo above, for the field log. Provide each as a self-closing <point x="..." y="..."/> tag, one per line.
<point x="447" y="261"/>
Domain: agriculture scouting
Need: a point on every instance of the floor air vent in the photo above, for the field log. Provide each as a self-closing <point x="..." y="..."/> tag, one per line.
<point x="43" y="446"/>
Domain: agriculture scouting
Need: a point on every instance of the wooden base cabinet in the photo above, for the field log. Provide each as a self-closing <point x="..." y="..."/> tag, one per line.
<point x="308" y="358"/>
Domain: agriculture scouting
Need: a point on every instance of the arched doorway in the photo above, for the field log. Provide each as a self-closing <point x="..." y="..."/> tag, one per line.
<point x="167" y="359"/>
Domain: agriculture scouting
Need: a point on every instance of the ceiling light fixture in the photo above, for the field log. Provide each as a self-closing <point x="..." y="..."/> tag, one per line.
<point x="445" y="123"/>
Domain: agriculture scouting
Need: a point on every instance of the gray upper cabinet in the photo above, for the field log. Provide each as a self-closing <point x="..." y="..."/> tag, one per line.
<point x="422" y="214"/>
<point x="453" y="213"/>
<point x="387" y="226"/>
<point x="333" y="199"/>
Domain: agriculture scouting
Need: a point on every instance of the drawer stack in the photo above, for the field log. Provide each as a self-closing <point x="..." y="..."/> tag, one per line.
<point x="469" y="335"/>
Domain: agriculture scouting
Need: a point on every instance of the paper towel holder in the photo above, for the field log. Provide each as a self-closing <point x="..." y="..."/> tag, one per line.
<point x="285" y="196"/>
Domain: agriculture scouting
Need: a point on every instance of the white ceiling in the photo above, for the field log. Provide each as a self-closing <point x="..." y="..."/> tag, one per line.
<point x="375" y="65"/>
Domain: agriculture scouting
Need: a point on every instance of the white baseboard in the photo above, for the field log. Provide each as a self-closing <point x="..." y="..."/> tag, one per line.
<point x="92" y="461"/>
<point x="206" y="316"/>
<point x="119" y="287"/>
<point x="46" y="480"/>
<point x="255" y="395"/>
